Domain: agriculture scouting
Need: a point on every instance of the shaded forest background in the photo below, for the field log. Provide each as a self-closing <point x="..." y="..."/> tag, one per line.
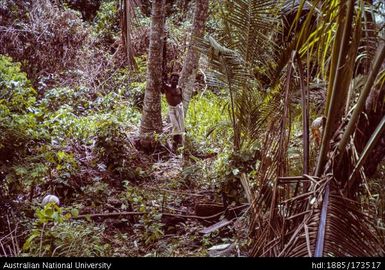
<point x="82" y="118"/>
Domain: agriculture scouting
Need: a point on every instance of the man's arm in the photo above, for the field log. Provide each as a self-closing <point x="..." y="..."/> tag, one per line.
<point x="179" y="91"/>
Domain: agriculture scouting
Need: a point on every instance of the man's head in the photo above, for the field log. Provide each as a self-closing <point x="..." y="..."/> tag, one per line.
<point x="174" y="80"/>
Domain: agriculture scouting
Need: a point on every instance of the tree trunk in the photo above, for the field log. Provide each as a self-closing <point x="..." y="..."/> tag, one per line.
<point x="189" y="70"/>
<point x="127" y="13"/>
<point x="151" y="117"/>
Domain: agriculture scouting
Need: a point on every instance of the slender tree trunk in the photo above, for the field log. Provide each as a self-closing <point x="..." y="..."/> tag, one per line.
<point x="189" y="70"/>
<point x="127" y="13"/>
<point x="151" y="117"/>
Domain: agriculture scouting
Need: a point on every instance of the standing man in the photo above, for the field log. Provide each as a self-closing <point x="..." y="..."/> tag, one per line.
<point x="174" y="99"/>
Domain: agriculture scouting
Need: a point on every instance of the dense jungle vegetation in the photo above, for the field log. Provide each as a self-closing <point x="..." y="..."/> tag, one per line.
<point x="282" y="145"/>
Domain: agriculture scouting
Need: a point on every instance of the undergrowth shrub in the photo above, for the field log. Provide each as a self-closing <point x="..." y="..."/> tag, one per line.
<point x="43" y="37"/>
<point x="65" y="140"/>
<point x="117" y="152"/>
<point x="18" y="116"/>
<point x="55" y="233"/>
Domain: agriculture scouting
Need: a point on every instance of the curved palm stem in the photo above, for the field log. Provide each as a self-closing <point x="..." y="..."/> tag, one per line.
<point x="369" y="146"/>
<point x="363" y="97"/>
<point x="336" y="92"/>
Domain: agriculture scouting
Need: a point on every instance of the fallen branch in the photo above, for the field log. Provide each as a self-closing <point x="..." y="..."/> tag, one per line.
<point x="119" y="214"/>
<point x="224" y="222"/>
<point x="107" y="215"/>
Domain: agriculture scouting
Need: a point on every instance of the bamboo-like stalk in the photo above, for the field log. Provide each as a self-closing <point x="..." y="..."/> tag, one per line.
<point x="331" y="122"/>
<point x="232" y="108"/>
<point x="335" y="92"/>
<point x="305" y="118"/>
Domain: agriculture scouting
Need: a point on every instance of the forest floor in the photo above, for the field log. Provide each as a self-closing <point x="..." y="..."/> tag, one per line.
<point x="174" y="209"/>
<point x="181" y="217"/>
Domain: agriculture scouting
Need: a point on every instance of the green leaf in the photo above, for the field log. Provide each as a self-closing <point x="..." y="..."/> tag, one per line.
<point x="75" y="212"/>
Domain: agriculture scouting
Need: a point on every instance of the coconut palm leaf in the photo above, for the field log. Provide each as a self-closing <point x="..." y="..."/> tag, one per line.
<point x="228" y="70"/>
<point x="248" y="28"/>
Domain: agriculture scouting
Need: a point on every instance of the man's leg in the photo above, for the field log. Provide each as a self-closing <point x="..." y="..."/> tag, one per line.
<point x="177" y="140"/>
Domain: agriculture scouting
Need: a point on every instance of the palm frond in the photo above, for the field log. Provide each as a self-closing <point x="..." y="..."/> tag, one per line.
<point x="296" y="223"/>
<point x="249" y="107"/>
<point x="250" y="28"/>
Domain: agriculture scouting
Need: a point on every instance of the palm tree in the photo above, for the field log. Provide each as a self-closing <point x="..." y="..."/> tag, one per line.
<point x="328" y="217"/>
<point x="318" y="213"/>
<point x="247" y="25"/>
<point x="151" y="117"/>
